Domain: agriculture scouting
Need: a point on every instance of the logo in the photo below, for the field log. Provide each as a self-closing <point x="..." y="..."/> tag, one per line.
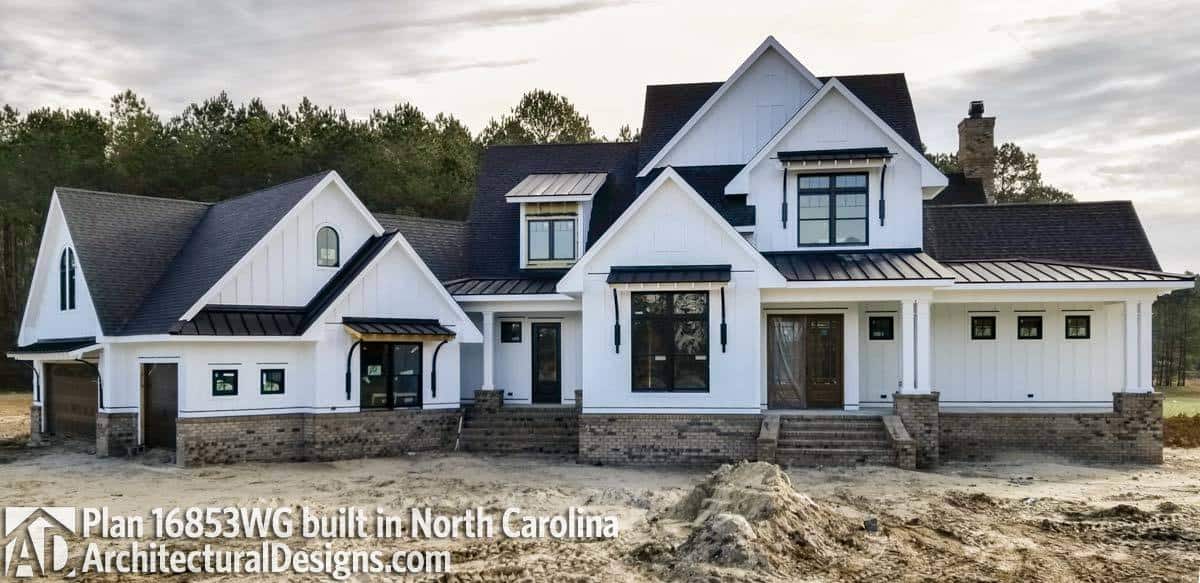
<point x="36" y="540"/>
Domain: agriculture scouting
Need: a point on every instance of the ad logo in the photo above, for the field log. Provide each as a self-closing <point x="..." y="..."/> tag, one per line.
<point x="36" y="540"/>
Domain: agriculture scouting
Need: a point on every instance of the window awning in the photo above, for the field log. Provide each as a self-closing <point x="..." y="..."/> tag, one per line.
<point x="52" y="346"/>
<point x="383" y="329"/>
<point x="669" y="274"/>
<point x="562" y="187"/>
<point x="833" y="158"/>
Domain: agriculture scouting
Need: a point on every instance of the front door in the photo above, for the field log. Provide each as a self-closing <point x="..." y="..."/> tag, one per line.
<point x="547" y="362"/>
<point x="804" y="362"/>
<point x="160" y="404"/>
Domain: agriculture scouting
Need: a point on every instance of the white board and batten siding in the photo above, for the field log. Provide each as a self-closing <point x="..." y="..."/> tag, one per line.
<point x="44" y="318"/>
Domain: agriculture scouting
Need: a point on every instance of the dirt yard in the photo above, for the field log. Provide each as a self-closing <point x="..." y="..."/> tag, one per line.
<point x="1020" y="520"/>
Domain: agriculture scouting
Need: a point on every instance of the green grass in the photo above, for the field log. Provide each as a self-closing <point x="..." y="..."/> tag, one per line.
<point x="1182" y="400"/>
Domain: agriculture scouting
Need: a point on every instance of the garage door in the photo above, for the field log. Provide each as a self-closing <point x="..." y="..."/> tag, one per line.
<point x="71" y="395"/>
<point x="160" y="393"/>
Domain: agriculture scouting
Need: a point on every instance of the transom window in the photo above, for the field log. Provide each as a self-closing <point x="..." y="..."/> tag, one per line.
<point x="670" y="341"/>
<point x="1029" y="327"/>
<point x="1079" y="327"/>
<point x="328" y="254"/>
<point x="66" y="280"/>
<point x="831" y="209"/>
<point x="552" y="239"/>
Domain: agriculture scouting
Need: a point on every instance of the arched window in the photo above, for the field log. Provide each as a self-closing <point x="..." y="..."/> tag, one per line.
<point x="327" y="247"/>
<point x="66" y="280"/>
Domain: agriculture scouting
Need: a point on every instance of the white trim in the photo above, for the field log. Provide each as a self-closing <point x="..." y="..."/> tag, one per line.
<point x="556" y="297"/>
<point x="768" y="43"/>
<point x="768" y="276"/>
<point x="246" y="258"/>
<point x="740" y="182"/>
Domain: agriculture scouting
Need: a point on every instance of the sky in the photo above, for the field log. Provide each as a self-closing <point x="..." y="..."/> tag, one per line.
<point x="1104" y="92"/>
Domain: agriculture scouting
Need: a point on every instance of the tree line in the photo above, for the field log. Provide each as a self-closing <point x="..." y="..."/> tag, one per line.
<point x="1176" y="339"/>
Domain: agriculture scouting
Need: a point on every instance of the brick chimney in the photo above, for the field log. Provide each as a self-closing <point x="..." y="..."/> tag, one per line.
<point x="977" y="148"/>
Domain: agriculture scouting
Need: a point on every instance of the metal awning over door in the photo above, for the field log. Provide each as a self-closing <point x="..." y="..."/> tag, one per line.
<point x="396" y="329"/>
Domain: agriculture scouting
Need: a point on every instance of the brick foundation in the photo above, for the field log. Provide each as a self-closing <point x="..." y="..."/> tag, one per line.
<point x="116" y="433"/>
<point x="324" y="437"/>
<point x="919" y="413"/>
<point x="668" y="439"/>
<point x="1131" y="433"/>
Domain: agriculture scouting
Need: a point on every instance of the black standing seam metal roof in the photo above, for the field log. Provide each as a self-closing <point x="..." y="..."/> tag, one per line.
<point x="670" y="274"/>
<point x="398" y="326"/>
<point x="842" y="154"/>
<point x="53" y="345"/>
<point x="1040" y="271"/>
<point x="503" y="286"/>
<point x="874" y="265"/>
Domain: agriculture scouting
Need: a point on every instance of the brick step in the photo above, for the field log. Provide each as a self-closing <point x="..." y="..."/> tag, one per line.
<point x="823" y="432"/>
<point x="836" y="444"/>
<point x="833" y="457"/>
<point x="830" y="423"/>
<point x="840" y="418"/>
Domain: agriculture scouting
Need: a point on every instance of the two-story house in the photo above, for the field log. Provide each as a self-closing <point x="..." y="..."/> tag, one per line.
<point x="773" y="271"/>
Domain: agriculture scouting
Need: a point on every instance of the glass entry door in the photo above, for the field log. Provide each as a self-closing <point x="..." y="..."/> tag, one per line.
<point x="547" y="362"/>
<point x="804" y="362"/>
<point x="391" y="374"/>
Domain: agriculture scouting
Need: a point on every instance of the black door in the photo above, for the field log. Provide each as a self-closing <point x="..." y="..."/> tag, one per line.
<point x="547" y="362"/>
<point x="391" y="375"/>
<point x="71" y="395"/>
<point x="160" y="404"/>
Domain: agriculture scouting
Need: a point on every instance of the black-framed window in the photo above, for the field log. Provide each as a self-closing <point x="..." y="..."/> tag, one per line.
<point x="670" y="341"/>
<point x="271" y="381"/>
<point x="983" y="327"/>
<point x="66" y="280"/>
<point x="510" y="332"/>
<point x="1029" y="327"/>
<point x="391" y="375"/>
<point x="328" y="252"/>
<point x="831" y="209"/>
<point x="1079" y="326"/>
<point x="551" y="239"/>
<point x="881" y="328"/>
<point x="224" y="382"/>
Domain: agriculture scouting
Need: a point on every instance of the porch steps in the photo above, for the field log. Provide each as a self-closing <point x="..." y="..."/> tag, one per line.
<point x="833" y="440"/>
<point x="520" y="430"/>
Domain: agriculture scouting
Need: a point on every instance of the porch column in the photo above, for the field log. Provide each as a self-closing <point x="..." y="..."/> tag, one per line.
<point x="908" y="344"/>
<point x="1138" y="344"/>
<point x="489" y="351"/>
<point x="916" y="361"/>
<point x="924" y="373"/>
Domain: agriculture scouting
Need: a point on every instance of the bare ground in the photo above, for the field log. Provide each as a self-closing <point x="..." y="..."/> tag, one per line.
<point x="1022" y="519"/>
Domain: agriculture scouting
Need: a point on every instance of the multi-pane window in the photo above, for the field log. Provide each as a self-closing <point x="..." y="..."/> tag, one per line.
<point x="1079" y="327"/>
<point x="66" y="280"/>
<point x="271" y="381"/>
<point x="552" y="240"/>
<point x="882" y="328"/>
<point x="831" y="209"/>
<point x="224" y="382"/>
<point x="670" y="341"/>
<point x="1029" y="327"/>
<point x="327" y="247"/>
<point x="983" y="327"/>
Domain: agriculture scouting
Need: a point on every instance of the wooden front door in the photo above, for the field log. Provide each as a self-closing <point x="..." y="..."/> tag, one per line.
<point x="804" y="362"/>
<point x="547" y="362"/>
<point x="71" y="395"/>
<point x="160" y="404"/>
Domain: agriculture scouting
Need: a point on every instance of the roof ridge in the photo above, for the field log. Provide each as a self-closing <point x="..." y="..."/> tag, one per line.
<point x="563" y="144"/>
<point x="418" y="217"/>
<point x="1048" y="203"/>
<point x="72" y="189"/>
<point x="272" y="187"/>
<point x="691" y="83"/>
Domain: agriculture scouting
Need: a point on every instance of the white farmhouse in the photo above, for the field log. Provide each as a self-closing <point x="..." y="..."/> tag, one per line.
<point x="774" y="271"/>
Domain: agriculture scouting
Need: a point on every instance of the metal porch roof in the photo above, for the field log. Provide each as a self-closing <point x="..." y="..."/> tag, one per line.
<point x="857" y="265"/>
<point x="396" y="327"/>
<point x="1039" y="271"/>
<point x="556" y="185"/>
<point x="669" y="274"/>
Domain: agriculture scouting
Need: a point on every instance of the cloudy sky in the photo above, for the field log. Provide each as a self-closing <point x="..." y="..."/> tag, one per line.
<point x="1105" y="92"/>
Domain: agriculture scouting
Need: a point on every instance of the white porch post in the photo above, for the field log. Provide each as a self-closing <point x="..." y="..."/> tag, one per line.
<point x="916" y="361"/>
<point x="1138" y="345"/>
<point x="489" y="351"/>
<point x="850" y="364"/>
<point x="923" y="382"/>
<point x="908" y="344"/>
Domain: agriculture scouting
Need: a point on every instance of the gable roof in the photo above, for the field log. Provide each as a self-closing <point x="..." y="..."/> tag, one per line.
<point x="493" y="235"/>
<point x="124" y="244"/>
<point x="440" y="243"/>
<point x="223" y="236"/>
<point x="1094" y="233"/>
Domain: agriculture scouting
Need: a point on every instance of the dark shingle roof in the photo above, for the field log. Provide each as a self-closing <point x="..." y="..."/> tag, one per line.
<point x="226" y="233"/>
<point x="1094" y="233"/>
<point x="440" y="243"/>
<point x="709" y="182"/>
<point x="493" y="237"/>
<point x="54" y="345"/>
<point x="669" y="107"/>
<point x="960" y="190"/>
<point x="124" y="243"/>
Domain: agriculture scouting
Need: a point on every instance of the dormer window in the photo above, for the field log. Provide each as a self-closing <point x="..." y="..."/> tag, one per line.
<point x="551" y="239"/>
<point x="328" y="254"/>
<point x="66" y="280"/>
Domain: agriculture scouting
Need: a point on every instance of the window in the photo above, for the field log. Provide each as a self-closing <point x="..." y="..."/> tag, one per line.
<point x="983" y="327"/>
<point x="1079" y="327"/>
<point x="328" y="254"/>
<point x="224" y="383"/>
<point x="882" y="328"/>
<point x="1029" y="327"/>
<point x="552" y="240"/>
<point x="670" y="341"/>
<point x="831" y="209"/>
<point x="510" y="332"/>
<point x="66" y="280"/>
<point x="391" y="375"/>
<point x="271" y="381"/>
